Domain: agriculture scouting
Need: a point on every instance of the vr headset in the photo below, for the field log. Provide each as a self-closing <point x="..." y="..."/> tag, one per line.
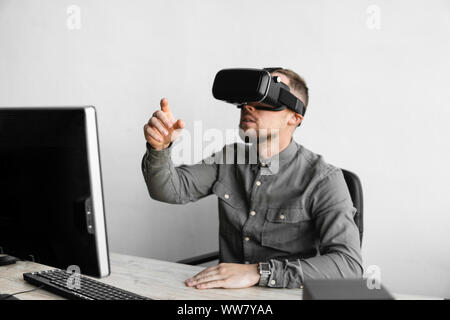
<point x="245" y="86"/>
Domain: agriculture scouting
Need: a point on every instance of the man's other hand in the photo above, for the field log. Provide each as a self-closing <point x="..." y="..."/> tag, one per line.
<point x="226" y="275"/>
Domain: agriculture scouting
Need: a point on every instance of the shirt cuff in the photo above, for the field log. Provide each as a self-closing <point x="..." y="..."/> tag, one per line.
<point x="276" y="277"/>
<point x="284" y="274"/>
<point x="158" y="156"/>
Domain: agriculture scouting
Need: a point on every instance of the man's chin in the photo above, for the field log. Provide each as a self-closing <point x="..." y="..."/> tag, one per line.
<point x="248" y="134"/>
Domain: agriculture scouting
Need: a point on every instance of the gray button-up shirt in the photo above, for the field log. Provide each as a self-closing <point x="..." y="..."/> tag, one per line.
<point x="294" y="213"/>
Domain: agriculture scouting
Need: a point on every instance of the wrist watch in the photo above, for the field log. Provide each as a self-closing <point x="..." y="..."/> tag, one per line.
<point x="264" y="272"/>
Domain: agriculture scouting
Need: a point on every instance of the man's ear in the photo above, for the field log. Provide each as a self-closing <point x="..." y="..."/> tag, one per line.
<point x="295" y="119"/>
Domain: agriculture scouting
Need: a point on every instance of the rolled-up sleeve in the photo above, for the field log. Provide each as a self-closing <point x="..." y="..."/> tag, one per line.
<point x="176" y="185"/>
<point x="340" y="250"/>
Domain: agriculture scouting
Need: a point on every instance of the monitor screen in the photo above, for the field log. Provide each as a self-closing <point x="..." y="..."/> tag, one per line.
<point x="51" y="200"/>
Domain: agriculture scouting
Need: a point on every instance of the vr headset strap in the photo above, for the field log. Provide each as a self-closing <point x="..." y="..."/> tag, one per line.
<point x="272" y="69"/>
<point x="286" y="97"/>
<point x="291" y="101"/>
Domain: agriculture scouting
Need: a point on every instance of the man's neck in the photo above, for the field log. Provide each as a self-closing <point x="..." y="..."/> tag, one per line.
<point x="273" y="146"/>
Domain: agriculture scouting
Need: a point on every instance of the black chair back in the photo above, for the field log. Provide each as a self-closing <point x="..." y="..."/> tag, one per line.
<point x="355" y="189"/>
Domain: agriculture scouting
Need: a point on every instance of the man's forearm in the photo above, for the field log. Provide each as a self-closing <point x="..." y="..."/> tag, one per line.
<point x="157" y="168"/>
<point x="292" y="274"/>
<point x="177" y="185"/>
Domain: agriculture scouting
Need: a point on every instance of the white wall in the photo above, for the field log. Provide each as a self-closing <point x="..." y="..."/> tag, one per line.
<point x="379" y="106"/>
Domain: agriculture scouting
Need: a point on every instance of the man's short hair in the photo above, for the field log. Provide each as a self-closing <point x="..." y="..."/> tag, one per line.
<point x="296" y="83"/>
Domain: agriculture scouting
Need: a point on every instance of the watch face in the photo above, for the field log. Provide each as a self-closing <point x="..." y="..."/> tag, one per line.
<point x="264" y="267"/>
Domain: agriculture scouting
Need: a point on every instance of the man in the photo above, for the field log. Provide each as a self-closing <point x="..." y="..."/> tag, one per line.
<point x="284" y="219"/>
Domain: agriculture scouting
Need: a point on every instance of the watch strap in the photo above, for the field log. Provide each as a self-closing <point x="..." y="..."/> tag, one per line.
<point x="264" y="272"/>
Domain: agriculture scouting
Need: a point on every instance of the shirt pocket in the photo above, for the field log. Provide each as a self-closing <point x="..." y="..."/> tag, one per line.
<point x="287" y="229"/>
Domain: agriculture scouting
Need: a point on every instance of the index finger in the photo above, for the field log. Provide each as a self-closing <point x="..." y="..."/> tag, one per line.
<point x="164" y="103"/>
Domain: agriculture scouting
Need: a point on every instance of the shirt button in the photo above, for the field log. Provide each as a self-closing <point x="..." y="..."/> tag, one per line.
<point x="272" y="282"/>
<point x="226" y="196"/>
<point x="252" y="213"/>
<point x="258" y="183"/>
<point x="282" y="216"/>
<point x="246" y="238"/>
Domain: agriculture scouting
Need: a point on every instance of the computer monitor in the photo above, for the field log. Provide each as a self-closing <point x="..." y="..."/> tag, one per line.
<point x="51" y="197"/>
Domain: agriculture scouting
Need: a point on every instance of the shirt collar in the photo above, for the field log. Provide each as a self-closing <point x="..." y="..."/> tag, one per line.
<point x="276" y="161"/>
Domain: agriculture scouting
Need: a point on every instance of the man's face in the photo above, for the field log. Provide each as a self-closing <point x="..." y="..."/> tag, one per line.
<point x="256" y="122"/>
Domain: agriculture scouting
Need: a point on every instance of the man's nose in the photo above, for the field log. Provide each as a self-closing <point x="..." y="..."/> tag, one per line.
<point x="249" y="108"/>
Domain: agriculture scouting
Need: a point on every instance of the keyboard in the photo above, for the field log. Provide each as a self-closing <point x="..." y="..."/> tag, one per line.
<point x="58" y="282"/>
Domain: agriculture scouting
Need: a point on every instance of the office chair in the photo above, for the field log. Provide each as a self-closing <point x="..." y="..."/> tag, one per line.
<point x="355" y="189"/>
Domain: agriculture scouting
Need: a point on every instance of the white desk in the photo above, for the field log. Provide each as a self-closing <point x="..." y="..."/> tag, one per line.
<point x="152" y="278"/>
